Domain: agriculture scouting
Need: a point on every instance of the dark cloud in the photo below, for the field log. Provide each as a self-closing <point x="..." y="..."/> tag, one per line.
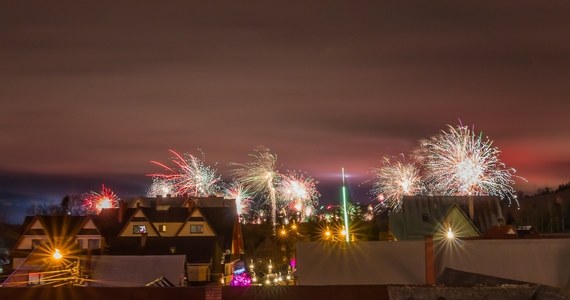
<point x="103" y="87"/>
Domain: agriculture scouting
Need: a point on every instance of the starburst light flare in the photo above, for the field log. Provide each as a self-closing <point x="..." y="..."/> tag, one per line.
<point x="458" y="162"/>
<point x="394" y="180"/>
<point x="94" y="202"/>
<point x="260" y="177"/>
<point x="190" y="176"/>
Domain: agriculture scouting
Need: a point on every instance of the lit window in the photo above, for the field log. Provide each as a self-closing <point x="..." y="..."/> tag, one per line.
<point x="93" y="244"/>
<point x="196" y="228"/>
<point x="139" y="228"/>
<point x="162" y="228"/>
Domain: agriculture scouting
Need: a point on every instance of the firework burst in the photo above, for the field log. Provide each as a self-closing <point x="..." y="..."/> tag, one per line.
<point x="190" y="176"/>
<point x="160" y="187"/>
<point x="299" y="194"/>
<point x="260" y="177"/>
<point x="243" y="199"/>
<point x="459" y="162"/>
<point x="394" y="180"/>
<point x="94" y="202"/>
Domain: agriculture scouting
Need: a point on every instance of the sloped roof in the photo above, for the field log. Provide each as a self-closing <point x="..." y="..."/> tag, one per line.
<point x="196" y="249"/>
<point x="61" y="226"/>
<point x="172" y="215"/>
<point x="108" y="221"/>
<point x="133" y="271"/>
<point x="420" y="215"/>
<point x="178" y="201"/>
<point x="453" y="277"/>
<point x="222" y="219"/>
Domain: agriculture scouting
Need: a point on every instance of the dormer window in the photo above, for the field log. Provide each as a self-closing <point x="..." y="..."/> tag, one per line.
<point x="139" y="229"/>
<point x="196" y="228"/>
<point x="162" y="228"/>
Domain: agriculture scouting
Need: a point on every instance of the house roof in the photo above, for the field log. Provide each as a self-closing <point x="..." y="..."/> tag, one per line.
<point x="180" y="201"/>
<point x="453" y="277"/>
<point x="196" y="249"/>
<point x="111" y="270"/>
<point x="108" y="220"/>
<point x="172" y="215"/>
<point x="62" y="226"/>
<point x="421" y="215"/>
<point x="222" y="219"/>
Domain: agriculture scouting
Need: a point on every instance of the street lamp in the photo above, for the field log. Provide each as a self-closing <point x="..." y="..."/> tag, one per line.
<point x="73" y="268"/>
<point x="57" y="254"/>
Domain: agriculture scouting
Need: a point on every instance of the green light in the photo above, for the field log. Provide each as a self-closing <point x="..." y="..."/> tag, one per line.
<point x="344" y="208"/>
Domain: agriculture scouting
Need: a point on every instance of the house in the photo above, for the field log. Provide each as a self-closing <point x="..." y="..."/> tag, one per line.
<point x="205" y="230"/>
<point x="438" y="215"/>
<point x="42" y="236"/>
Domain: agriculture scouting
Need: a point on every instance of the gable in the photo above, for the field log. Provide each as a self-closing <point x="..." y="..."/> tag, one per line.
<point x="137" y="225"/>
<point x="89" y="228"/>
<point x="36" y="224"/>
<point x="458" y="222"/>
<point x="196" y="223"/>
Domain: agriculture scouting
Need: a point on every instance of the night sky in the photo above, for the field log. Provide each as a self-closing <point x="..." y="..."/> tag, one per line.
<point x="91" y="91"/>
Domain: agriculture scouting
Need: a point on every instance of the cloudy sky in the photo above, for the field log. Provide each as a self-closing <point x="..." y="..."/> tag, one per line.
<point x="91" y="91"/>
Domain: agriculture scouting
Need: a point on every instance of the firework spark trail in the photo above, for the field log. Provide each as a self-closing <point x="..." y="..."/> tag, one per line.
<point x="260" y="177"/>
<point x="190" y="176"/>
<point x="94" y="202"/>
<point x="394" y="180"/>
<point x="243" y="199"/>
<point x="299" y="193"/>
<point x="160" y="186"/>
<point x="458" y="162"/>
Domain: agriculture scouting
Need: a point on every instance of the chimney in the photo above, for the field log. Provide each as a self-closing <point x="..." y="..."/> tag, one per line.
<point x="430" y="260"/>
<point x="121" y="212"/>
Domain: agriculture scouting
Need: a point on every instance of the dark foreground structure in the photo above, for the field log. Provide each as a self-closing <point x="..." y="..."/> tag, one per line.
<point x="378" y="292"/>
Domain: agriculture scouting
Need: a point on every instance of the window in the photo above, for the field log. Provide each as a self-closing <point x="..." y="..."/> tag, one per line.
<point x="196" y="228"/>
<point x="36" y="243"/>
<point x="139" y="228"/>
<point x="79" y="243"/>
<point x="93" y="244"/>
<point x="162" y="228"/>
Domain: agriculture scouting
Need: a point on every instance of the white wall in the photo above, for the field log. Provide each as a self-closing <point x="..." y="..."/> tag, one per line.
<point x="377" y="262"/>
<point x="542" y="261"/>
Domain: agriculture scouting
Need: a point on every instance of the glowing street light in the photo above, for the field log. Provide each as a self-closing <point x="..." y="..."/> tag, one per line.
<point x="57" y="254"/>
<point x="450" y="235"/>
